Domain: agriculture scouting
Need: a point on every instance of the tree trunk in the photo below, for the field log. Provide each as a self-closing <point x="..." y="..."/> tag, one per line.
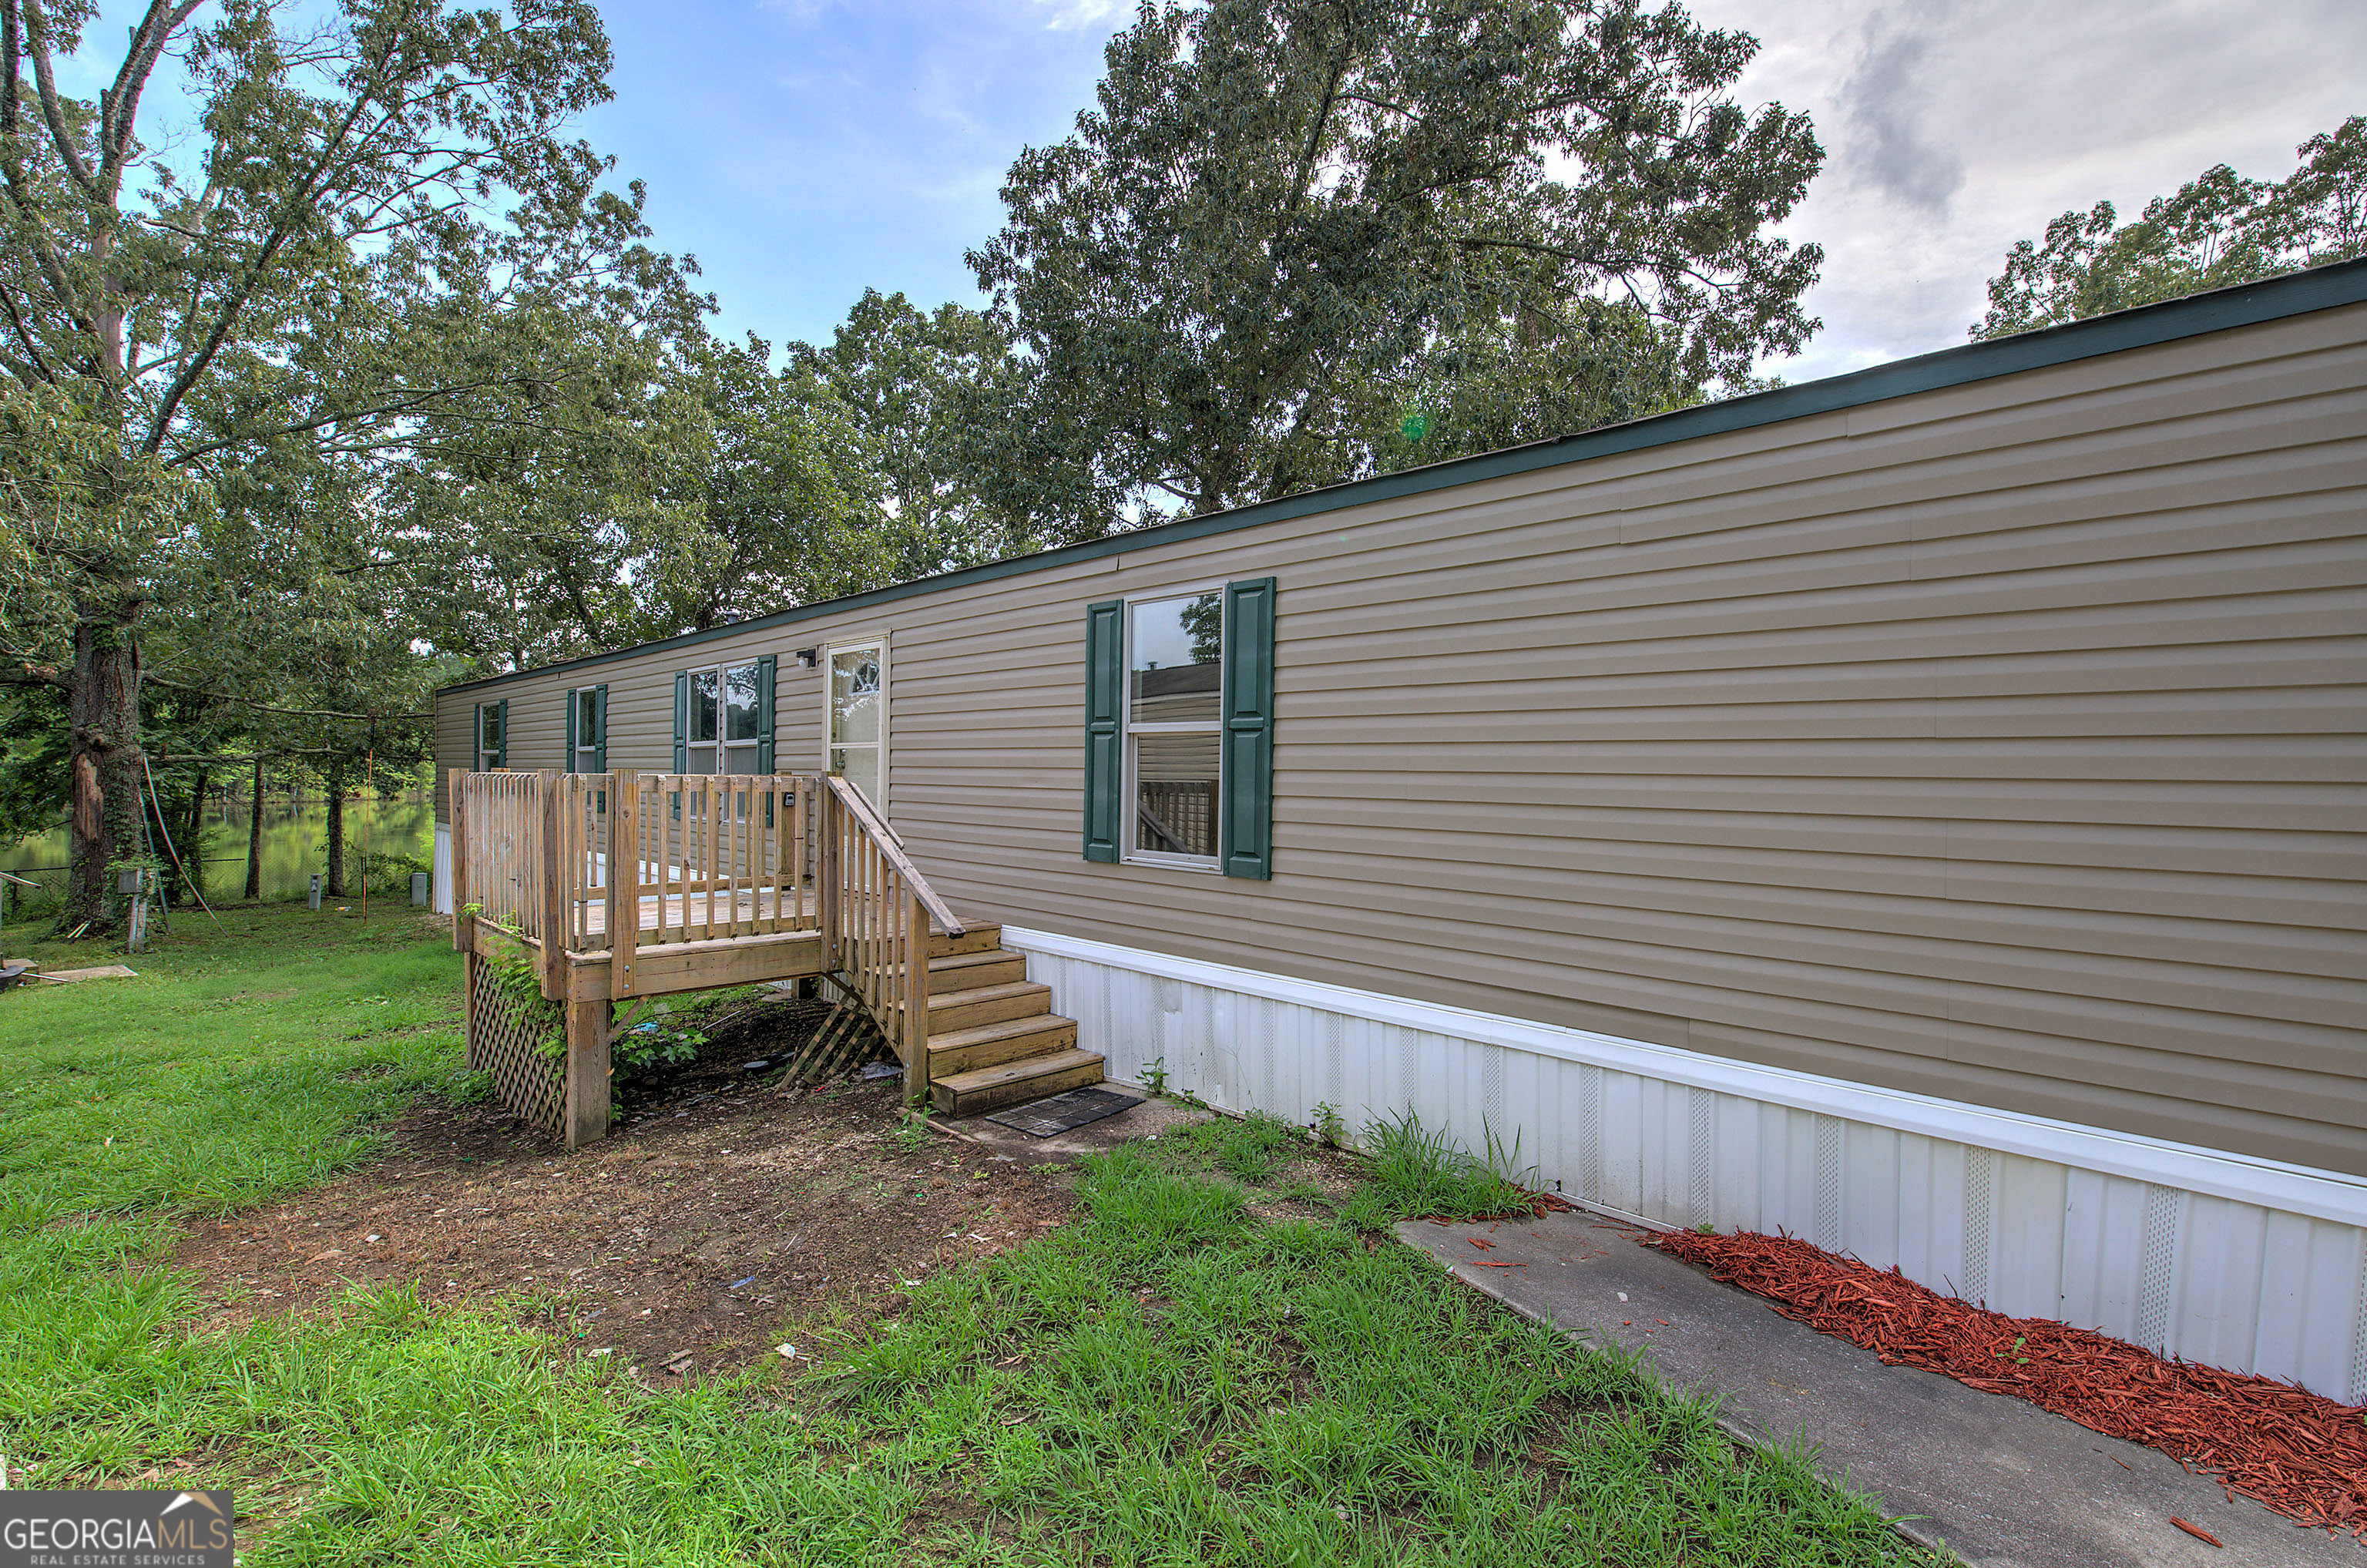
<point x="191" y="842"/>
<point x="254" y="836"/>
<point x="103" y="715"/>
<point x="335" y="887"/>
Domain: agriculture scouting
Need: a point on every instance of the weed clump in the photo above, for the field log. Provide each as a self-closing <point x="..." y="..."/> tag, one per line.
<point x="1415" y="1172"/>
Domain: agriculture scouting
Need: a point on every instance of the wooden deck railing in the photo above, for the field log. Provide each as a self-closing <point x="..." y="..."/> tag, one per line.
<point x="674" y="879"/>
<point x="497" y="822"/>
<point x="875" y="924"/>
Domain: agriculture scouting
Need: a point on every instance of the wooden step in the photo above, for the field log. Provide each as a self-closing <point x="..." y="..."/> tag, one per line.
<point x="992" y="1045"/>
<point x="986" y="1004"/>
<point x="980" y="938"/>
<point x="992" y="1088"/>
<point x="957" y="972"/>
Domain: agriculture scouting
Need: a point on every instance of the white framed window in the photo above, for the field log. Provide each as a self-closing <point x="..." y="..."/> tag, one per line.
<point x="856" y="730"/>
<point x="1174" y="726"/>
<point x="587" y="717"/>
<point x="725" y="719"/>
<point x="493" y="735"/>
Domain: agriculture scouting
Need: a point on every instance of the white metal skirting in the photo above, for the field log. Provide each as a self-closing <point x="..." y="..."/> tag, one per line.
<point x="440" y="891"/>
<point x="2234" y="1262"/>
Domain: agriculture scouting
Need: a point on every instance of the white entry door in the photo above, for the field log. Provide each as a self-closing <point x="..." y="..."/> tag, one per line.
<point x="858" y="719"/>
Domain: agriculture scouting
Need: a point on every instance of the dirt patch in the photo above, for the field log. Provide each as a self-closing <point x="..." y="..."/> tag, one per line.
<point x="743" y="1044"/>
<point x="711" y="1225"/>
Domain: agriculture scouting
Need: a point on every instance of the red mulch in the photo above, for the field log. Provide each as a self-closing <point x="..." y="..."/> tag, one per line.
<point x="2300" y="1453"/>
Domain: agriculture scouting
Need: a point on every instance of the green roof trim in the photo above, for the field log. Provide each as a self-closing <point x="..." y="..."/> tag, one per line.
<point x="2243" y="304"/>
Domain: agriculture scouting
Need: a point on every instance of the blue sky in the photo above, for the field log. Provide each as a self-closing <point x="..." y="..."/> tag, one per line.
<point x="804" y="152"/>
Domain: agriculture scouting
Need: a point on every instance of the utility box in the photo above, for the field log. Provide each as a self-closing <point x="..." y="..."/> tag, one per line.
<point x="133" y="883"/>
<point x="316" y="891"/>
<point x="419" y="890"/>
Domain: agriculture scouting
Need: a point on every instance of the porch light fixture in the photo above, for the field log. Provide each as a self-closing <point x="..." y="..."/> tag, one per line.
<point x="809" y="657"/>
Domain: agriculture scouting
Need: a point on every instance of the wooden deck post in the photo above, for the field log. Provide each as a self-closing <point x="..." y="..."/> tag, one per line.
<point x="916" y="1001"/>
<point x="554" y="894"/>
<point x="463" y="936"/>
<point x="587" y="1068"/>
<point x="624" y="879"/>
<point x="470" y="978"/>
<point x="826" y="872"/>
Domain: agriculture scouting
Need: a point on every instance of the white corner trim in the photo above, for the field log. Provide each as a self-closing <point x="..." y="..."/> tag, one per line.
<point x="2296" y="1189"/>
<point x="439" y="873"/>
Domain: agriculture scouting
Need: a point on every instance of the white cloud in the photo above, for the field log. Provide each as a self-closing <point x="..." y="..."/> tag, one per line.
<point x="1952" y="132"/>
<point x="1067" y="14"/>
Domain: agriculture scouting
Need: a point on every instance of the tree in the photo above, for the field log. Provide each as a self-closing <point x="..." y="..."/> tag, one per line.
<point x="691" y="485"/>
<point x="78" y="517"/>
<point x="296" y="293"/>
<point x="1302" y="240"/>
<point x="2219" y="229"/>
<point x="773" y="500"/>
<point x="517" y="510"/>
<point x="927" y="394"/>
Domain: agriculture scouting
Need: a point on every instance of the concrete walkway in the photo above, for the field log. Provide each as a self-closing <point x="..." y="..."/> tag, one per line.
<point x="2002" y="1483"/>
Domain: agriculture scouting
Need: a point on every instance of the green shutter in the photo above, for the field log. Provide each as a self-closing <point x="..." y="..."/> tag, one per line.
<point x="1246" y="765"/>
<point x="600" y="729"/>
<point x="477" y="738"/>
<point x="502" y="755"/>
<point x="571" y="730"/>
<point x="1105" y="737"/>
<point x="765" y="667"/>
<point x="681" y="737"/>
<point x="682" y="722"/>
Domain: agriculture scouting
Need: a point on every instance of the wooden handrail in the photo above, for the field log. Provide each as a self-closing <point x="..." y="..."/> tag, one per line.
<point x="892" y="847"/>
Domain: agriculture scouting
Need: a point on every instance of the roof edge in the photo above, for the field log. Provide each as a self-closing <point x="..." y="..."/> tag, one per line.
<point x="2141" y="326"/>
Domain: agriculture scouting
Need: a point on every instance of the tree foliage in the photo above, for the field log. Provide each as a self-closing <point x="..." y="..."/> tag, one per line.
<point x="366" y="191"/>
<point x="1302" y="240"/>
<point x="774" y="501"/>
<point x="2219" y="229"/>
<point x="930" y="395"/>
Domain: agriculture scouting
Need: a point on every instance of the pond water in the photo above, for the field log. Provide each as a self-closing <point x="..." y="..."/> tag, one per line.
<point x="295" y="845"/>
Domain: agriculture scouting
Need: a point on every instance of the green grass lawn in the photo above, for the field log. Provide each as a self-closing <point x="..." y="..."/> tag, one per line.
<point x="1170" y="1380"/>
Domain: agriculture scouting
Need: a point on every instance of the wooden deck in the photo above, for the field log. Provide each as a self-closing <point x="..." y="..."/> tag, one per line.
<point x="730" y="881"/>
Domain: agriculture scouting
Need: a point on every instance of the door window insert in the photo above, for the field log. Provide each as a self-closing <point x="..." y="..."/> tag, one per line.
<point x="858" y="719"/>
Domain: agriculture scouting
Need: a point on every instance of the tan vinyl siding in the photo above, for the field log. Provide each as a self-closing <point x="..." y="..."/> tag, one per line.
<point x="455" y="712"/>
<point x="2002" y="742"/>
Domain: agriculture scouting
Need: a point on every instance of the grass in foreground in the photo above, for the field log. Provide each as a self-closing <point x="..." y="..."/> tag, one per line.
<point x="1169" y="1380"/>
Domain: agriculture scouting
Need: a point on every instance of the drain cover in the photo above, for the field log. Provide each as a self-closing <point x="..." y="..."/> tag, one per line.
<point x="1041" y="1118"/>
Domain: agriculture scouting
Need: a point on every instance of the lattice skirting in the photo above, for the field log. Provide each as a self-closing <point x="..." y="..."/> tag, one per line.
<point x="2238" y="1263"/>
<point x="847" y="1038"/>
<point x="502" y="1041"/>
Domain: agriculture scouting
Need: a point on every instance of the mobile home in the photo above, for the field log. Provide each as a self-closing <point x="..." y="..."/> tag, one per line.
<point x="1922" y="810"/>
